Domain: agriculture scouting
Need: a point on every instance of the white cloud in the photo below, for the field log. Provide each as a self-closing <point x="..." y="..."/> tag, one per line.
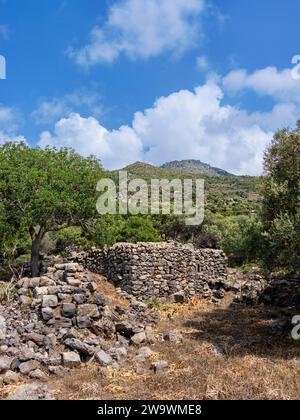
<point x="50" y="110"/>
<point x="142" y="29"/>
<point x="10" y="120"/>
<point x="202" y="63"/>
<point x="279" y="84"/>
<point x="183" y="125"/>
<point x="4" y="138"/>
<point x="88" y="137"/>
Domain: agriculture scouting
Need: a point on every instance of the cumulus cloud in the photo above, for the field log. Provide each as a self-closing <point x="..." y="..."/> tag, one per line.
<point x="142" y="29"/>
<point x="10" y="120"/>
<point x="88" y="137"/>
<point x="279" y="84"/>
<point x="186" y="124"/>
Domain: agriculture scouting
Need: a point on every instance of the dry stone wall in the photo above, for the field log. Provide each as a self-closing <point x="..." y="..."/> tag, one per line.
<point x="160" y="270"/>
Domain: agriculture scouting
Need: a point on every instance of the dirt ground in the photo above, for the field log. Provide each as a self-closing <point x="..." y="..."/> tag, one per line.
<point x="228" y="352"/>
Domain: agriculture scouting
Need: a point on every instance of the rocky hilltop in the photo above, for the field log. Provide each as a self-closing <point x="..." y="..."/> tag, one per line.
<point x="193" y="166"/>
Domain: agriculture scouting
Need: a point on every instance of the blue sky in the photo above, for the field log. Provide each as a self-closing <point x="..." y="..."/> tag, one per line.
<point x="152" y="80"/>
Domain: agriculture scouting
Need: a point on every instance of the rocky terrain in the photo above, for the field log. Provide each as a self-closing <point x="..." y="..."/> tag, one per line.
<point x="61" y="319"/>
<point x="193" y="166"/>
<point x="71" y="320"/>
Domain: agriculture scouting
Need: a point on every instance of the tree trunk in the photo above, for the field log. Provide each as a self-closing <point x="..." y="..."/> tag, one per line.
<point x="37" y="238"/>
<point x="35" y="257"/>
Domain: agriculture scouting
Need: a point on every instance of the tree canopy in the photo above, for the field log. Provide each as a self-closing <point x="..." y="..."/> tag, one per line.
<point x="45" y="190"/>
<point x="281" y="201"/>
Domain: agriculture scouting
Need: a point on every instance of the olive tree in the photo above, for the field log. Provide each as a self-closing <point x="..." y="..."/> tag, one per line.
<point x="45" y="190"/>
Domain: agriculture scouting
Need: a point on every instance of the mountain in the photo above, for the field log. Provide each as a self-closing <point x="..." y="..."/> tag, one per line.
<point x="226" y="193"/>
<point x="194" y="167"/>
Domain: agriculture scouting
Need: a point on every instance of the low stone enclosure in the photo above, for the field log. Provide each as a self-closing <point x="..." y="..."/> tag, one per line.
<point x="155" y="271"/>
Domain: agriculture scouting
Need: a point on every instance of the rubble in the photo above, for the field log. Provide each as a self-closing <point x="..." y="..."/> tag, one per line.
<point x="68" y="322"/>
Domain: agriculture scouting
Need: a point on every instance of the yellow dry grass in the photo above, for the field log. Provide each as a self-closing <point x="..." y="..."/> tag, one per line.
<point x="227" y="353"/>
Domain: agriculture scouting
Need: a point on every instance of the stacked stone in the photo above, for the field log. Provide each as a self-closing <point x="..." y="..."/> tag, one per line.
<point x="94" y="260"/>
<point x="160" y="270"/>
<point x="60" y="319"/>
<point x="282" y="292"/>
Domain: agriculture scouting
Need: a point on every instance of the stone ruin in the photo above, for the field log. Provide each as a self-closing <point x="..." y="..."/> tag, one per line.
<point x="158" y="271"/>
<point x="61" y="319"/>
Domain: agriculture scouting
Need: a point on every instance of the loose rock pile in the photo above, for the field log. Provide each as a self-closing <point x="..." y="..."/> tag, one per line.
<point x="61" y="319"/>
<point x="156" y="271"/>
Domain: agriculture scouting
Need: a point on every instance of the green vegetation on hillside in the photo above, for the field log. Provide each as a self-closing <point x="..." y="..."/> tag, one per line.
<point x="48" y="203"/>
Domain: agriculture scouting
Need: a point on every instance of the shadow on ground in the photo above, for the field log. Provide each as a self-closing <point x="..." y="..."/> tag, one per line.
<point x="240" y="330"/>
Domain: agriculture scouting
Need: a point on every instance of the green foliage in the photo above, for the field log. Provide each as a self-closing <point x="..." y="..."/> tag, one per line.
<point x="43" y="191"/>
<point x="105" y="231"/>
<point x="138" y="229"/>
<point x="68" y="238"/>
<point x="238" y="236"/>
<point x="281" y="202"/>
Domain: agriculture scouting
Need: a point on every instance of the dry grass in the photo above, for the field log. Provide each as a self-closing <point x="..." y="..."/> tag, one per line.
<point x="227" y="353"/>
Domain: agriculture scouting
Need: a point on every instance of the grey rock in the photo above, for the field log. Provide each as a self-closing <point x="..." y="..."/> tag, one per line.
<point x="68" y="310"/>
<point x="39" y="292"/>
<point x="11" y="378"/>
<point x="32" y="392"/>
<point x="47" y="314"/>
<point x="5" y="363"/>
<point x="80" y="298"/>
<point x="144" y="353"/>
<point x="57" y="370"/>
<point x="37" y="374"/>
<point x="2" y="328"/>
<point x="25" y="300"/>
<point x="71" y="359"/>
<point x="160" y="366"/>
<point x="50" y="301"/>
<point x="50" y="341"/>
<point x="80" y="346"/>
<point x="55" y="359"/>
<point x="36" y="338"/>
<point x="103" y="358"/>
<point x="139" y="338"/>
<point x="117" y="353"/>
<point x="26" y="354"/>
<point x="26" y="367"/>
<point x="83" y="322"/>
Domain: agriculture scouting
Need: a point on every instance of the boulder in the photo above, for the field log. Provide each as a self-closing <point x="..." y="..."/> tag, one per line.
<point x="80" y="346"/>
<point x="71" y="359"/>
<point x="103" y="358"/>
<point x="139" y="338"/>
<point x="32" y="392"/>
<point x="26" y="367"/>
<point x="37" y="374"/>
<point x="5" y="363"/>
<point x="11" y="378"/>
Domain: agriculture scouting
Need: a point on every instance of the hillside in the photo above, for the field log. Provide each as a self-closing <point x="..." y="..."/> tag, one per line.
<point x="228" y="195"/>
<point x="193" y="166"/>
